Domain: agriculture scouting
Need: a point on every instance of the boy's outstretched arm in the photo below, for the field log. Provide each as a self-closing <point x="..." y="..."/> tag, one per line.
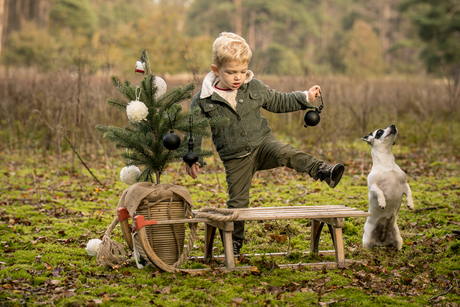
<point x="279" y="102"/>
<point x="192" y="170"/>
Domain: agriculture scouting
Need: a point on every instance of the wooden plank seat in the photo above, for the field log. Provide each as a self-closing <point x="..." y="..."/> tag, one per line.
<point x="331" y="215"/>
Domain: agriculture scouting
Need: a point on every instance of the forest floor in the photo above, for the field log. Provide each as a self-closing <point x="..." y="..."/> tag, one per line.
<point x="49" y="213"/>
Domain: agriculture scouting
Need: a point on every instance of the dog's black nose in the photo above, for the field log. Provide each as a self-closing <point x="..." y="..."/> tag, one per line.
<point x="393" y="126"/>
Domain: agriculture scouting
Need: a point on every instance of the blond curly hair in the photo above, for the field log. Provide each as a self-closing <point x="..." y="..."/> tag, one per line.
<point x="230" y="47"/>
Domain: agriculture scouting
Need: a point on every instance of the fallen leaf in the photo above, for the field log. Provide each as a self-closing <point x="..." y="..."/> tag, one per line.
<point x="54" y="282"/>
<point x="97" y="302"/>
<point x="237" y="300"/>
<point x="328" y="303"/>
<point x="56" y="272"/>
<point x="395" y="273"/>
<point x="69" y="293"/>
<point x="47" y="265"/>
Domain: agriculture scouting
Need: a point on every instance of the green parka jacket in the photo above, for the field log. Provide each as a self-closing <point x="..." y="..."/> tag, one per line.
<point x="246" y="128"/>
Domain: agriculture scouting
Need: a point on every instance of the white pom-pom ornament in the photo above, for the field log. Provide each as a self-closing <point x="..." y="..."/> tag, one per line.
<point x="136" y="111"/>
<point x="92" y="247"/>
<point x="129" y="174"/>
<point x="162" y="87"/>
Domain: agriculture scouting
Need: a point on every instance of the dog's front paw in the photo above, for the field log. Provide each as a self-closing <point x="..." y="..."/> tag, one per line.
<point x="382" y="204"/>
<point x="410" y="204"/>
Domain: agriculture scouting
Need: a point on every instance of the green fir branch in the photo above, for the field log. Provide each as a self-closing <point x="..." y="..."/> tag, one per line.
<point x="117" y="82"/>
<point x="145" y="58"/>
<point x="199" y="128"/>
<point x="116" y="103"/>
<point x="148" y="95"/>
<point x="130" y="90"/>
<point x="145" y="175"/>
<point x="177" y="95"/>
<point x="102" y="128"/>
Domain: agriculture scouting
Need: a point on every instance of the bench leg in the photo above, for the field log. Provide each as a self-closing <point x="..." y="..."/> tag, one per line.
<point x="228" y="250"/>
<point x="337" y="239"/>
<point x="316" y="227"/>
<point x="209" y="233"/>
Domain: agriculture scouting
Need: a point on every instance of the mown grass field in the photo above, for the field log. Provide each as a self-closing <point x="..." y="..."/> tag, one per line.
<point x="48" y="214"/>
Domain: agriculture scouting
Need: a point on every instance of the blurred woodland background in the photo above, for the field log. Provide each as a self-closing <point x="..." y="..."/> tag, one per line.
<point x="378" y="63"/>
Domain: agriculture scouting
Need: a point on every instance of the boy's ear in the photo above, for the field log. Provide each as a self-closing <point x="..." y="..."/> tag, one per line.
<point x="215" y="70"/>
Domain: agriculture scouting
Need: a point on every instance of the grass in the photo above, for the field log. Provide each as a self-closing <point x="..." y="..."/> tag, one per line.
<point x="47" y="217"/>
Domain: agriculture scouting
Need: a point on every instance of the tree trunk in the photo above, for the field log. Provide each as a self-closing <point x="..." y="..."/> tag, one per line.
<point x="252" y="31"/>
<point x="238" y="18"/>
<point x="3" y="22"/>
<point x="14" y="12"/>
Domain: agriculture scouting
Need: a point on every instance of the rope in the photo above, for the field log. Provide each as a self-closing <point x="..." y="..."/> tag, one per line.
<point x="232" y="214"/>
<point x="111" y="253"/>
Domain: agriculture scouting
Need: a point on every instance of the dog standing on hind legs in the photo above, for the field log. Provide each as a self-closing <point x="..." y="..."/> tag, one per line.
<point x="387" y="185"/>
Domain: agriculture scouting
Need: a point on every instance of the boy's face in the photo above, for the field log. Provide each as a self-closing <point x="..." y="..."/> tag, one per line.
<point x="232" y="75"/>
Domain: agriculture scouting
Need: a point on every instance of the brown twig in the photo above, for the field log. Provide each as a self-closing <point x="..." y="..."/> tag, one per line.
<point x="306" y="192"/>
<point x="81" y="160"/>
<point x="448" y="290"/>
<point x="273" y="265"/>
<point x="155" y="137"/>
<point x="435" y="297"/>
<point x="428" y="208"/>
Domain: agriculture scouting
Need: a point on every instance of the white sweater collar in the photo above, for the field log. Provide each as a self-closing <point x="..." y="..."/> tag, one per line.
<point x="208" y="83"/>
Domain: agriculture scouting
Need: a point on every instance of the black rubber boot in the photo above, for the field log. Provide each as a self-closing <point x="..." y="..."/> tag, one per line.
<point x="331" y="174"/>
<point x="237" y="245"/>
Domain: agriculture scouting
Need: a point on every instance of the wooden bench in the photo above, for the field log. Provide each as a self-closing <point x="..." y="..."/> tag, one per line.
<point x="333" y="216"/>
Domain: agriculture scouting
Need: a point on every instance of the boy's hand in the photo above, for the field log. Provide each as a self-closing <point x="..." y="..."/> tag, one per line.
<point x="193" y="170"/>
<point x="313" y="93"/>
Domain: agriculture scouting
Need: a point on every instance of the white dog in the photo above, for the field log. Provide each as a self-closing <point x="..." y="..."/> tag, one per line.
<point x="387" y="184"/>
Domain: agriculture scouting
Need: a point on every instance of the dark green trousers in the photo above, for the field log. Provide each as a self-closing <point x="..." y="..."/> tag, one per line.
<point x="270" y="154"/>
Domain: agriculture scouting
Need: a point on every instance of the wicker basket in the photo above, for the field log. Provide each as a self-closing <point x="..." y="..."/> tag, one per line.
<point x="167" y="241"/>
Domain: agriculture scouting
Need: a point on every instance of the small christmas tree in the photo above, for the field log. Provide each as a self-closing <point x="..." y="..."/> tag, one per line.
<point x="154" y="115"/>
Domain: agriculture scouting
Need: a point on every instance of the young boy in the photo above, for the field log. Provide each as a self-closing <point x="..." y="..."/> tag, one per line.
<point x="245" y="144"/>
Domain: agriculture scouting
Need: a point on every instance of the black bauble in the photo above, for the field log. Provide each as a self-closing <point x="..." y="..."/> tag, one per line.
<point x="171" y="141"/>
<point x="190" y="158"/>
<point x="311" y="118"/>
